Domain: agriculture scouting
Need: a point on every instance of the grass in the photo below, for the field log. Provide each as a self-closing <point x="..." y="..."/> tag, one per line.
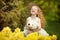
<point x="53" y="28"/>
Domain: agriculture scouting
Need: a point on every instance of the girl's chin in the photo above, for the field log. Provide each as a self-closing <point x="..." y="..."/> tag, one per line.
<point x="33" y="13"/>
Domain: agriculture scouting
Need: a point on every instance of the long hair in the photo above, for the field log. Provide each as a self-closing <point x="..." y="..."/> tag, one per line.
<point x="40" y="15"/>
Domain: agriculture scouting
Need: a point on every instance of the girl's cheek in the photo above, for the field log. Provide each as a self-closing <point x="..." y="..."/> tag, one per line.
<point x="36" y="11"/>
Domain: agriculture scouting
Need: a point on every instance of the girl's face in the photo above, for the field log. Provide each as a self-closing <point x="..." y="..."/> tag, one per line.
<point x="34" y="10"/>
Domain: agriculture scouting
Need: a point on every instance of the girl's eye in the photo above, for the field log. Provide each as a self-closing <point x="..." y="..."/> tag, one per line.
<point x="34" y="9"/>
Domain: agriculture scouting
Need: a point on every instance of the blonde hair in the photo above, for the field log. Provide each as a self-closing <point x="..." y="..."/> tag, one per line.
<point x="40" y="15"/>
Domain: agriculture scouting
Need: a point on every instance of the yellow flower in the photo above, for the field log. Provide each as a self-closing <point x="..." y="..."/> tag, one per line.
<point x="6" y="31"/>
<point x="32" y="36"/>
<point x="3" y="38"/>
<point x="54" y="37"/>
<point x="7" y="34"/>
<point x="17" y="30"/>
<point x="26" y="38"/>
<point x="47" y="38"/>
<point x="40" y="37"/>
<point x="19" y="36"/>
<point x="12" y="38"/>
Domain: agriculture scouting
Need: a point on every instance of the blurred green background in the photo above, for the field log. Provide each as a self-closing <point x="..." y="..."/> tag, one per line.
<point x="13" y="13"/>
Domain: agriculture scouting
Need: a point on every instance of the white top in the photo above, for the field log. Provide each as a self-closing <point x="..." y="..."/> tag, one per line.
<point x="34" y="22"/>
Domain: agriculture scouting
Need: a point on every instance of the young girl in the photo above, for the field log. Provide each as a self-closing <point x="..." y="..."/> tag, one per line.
<point x="35" y="22"/>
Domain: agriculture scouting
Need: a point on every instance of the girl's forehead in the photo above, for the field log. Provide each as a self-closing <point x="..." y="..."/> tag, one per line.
<point x="34" y="7"/>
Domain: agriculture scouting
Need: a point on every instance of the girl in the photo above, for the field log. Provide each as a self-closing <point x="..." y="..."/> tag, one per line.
<point x="35" y="22"/>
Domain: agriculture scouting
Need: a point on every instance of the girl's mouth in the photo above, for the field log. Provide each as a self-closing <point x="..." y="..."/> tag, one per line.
<point x="33" y="11"/>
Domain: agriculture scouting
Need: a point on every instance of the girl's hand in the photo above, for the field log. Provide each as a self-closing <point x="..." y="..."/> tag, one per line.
<point x="29" y="31"/>
<point x="35" y="30"/>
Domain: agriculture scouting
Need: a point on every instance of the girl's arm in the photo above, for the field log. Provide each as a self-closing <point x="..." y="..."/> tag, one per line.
<point x="39" y="24"/>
